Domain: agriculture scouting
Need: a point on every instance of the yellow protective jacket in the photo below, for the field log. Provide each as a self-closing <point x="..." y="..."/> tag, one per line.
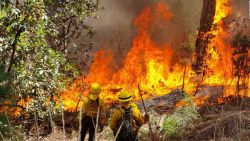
<point x="135" y="113"/>
<point x="90" y="109"/>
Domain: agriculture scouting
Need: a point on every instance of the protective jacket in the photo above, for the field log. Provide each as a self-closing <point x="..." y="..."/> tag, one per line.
<point x="89" y="117"/>
<point x="118" y="118"/>
<point x="90" y="109"/>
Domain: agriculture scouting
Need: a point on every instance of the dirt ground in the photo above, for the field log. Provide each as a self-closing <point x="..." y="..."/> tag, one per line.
<point x="227" y="121"/>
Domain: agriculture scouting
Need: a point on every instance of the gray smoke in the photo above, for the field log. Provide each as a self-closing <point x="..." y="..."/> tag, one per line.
<point x="115" y="24"/>
<point x="241" y="8"/>
<point x="115" y="30"/>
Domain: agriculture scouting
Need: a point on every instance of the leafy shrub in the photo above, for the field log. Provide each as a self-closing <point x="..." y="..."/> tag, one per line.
<point x="4" y="128"/>
<point x="183" y="117"/>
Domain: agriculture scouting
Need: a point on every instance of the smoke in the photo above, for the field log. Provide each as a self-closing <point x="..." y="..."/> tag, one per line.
<point x="115" y="29"/>
<point x="241" y="8"/>
<point x="241" y="11"/>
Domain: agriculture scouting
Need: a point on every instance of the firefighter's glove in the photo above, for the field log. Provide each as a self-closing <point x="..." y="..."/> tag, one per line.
<point x="146" y="117"/>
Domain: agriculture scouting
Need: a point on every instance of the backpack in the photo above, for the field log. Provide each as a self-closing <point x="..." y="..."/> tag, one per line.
<point x="126" y="124"/>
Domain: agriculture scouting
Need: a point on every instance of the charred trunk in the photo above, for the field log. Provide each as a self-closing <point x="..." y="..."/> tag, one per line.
<point x="202" y="41"/>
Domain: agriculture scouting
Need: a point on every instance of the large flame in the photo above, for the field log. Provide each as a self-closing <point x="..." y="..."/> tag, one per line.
<point x="148" y="64"/>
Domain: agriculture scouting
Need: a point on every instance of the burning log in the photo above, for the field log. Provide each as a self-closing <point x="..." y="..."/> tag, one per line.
<point x="202" y="41"/>
<point x="166" y="103"/>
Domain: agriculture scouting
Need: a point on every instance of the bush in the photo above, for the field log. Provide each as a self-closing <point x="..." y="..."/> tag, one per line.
<point x="12" y="133"/>
<point x="4" y="128"/>
<point x="182" y="118"/>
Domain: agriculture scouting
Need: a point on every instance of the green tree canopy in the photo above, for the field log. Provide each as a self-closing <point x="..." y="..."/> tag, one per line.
<point x="34" y="37"/>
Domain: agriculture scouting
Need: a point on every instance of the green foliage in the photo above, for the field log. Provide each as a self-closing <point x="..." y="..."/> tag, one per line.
<point x="182" y="118"/>
<point x="67" y="18"/>
<point x="4" y="128"/>
<point x="34" y="36"/>
<point x="8" y="131"/>
<point x="4" y="89"/>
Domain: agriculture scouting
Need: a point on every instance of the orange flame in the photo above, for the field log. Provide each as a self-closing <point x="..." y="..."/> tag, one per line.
<point x="149" y="65"/>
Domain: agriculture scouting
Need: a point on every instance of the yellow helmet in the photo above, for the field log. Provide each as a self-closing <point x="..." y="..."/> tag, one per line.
<point x="125" y="96"/>
<point x="94" y="91"/>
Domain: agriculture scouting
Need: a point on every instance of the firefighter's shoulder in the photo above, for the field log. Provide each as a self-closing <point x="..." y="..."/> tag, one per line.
<point x="134" y="105"/>
<point x="116" y="115"/>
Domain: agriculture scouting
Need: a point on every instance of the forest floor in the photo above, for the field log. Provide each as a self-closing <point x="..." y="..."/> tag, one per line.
<point x="229" y="120"/>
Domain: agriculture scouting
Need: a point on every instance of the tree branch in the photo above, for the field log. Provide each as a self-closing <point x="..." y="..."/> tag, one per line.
<point x="66" y="35"/>
<point x="21" y="29"/>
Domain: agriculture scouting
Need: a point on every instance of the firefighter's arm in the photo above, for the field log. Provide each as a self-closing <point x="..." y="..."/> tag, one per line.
<point x="114" y="119"/>
<point x="103" y="114"/>
<point x="84" y="106"/>
<point x="138" y="116"/>
<point x="145" y="117"/>
<point x="102" y="118"/>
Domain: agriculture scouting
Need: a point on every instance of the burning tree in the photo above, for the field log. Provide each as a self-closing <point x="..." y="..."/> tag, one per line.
<point x="203" y="39"/>
<point x="241" y="62"/>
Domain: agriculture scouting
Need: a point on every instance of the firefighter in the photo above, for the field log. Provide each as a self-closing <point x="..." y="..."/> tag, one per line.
<point x="90" y="110"/>
<point x="127" y="119"/>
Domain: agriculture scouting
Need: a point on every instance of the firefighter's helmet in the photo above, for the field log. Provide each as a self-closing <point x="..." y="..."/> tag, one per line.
<point x="94" y="91"/>
<point x="125" y="96"/>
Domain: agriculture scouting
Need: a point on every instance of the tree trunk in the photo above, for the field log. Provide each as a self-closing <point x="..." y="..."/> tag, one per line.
<point x="202" y="41"/>
<point x="14" y="43"/>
